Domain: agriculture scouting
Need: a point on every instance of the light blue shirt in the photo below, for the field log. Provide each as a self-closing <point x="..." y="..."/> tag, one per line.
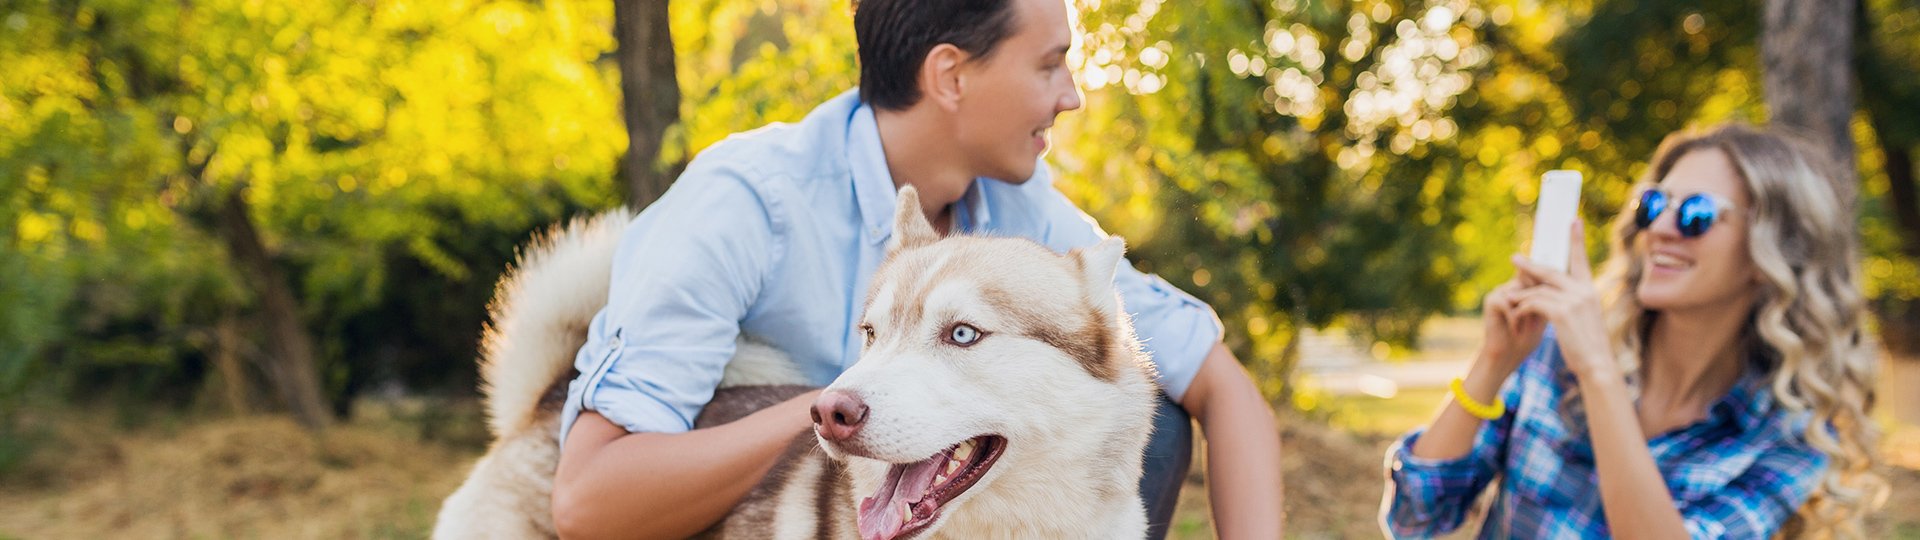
<point x="775" y="233"/>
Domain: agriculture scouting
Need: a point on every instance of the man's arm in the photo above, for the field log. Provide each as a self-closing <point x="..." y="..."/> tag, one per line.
<point x="1243" y="447"/>
<point x="666" y="485"/>
<point x="683" y="282"/>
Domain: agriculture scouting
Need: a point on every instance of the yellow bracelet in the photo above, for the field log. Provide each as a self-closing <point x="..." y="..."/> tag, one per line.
<point x="1475" y="408"/>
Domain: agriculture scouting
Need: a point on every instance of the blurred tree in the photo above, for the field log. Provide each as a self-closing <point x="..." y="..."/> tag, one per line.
<point x="1689" y="63"/>
<point x="407" y="141"/>
<point x="1303" y="163"/>
<point x="290" y="365"/>
<point x="1886" y="54"/>
<point x="1297" y="163"/>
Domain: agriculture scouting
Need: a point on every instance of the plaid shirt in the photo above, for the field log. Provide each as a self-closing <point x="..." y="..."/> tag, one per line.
<point x="1739" y="473"/>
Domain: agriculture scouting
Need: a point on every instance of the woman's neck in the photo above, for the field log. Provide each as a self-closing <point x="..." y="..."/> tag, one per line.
<point x="1693" y="357"/>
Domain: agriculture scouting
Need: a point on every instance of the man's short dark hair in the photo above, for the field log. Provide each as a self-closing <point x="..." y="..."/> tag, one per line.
<point x="894" y="37"/>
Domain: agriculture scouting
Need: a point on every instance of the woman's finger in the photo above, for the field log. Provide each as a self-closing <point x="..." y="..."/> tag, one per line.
<point x="1539" y="275"/>
<point x="1538" y="302"/>
<point x="1521" y="279"/>
<point x="1577" y="265"/>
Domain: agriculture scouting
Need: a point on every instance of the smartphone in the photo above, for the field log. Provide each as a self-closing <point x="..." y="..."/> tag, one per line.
<point x="1553" y="218"/>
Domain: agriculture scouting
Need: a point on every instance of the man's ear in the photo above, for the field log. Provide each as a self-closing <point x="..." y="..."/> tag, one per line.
<point x="942" y="79"/>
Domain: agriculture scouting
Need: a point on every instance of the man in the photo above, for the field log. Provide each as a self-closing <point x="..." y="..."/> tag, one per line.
<point x="774" y="233"/>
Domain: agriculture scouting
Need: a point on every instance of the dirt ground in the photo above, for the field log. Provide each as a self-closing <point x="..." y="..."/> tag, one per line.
<point x="262" y="477"/>
<point x="259" y="477"/>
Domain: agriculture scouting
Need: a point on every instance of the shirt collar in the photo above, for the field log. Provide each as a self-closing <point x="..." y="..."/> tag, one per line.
<point x="873" y="187"/>
<point x="1748" y="402"/>
<point x="974" y="216"/>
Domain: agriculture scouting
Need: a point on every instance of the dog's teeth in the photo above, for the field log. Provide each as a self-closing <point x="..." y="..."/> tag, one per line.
<point x="964" y="451"/>
<point x="906" y="514"/>
<point x="951" y="467"/>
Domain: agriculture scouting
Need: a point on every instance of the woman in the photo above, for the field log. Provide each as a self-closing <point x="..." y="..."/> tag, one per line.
<point x="1716" y="390"/>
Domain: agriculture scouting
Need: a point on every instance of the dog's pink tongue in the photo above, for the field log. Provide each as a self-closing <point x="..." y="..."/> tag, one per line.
<point x="887" y="511"/>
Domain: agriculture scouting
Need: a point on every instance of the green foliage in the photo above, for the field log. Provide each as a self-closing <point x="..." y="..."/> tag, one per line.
<point x="1301" y="163"/>
<point x="1364" y="163"/>
<point x="392" y="154"/>
<point x="1371" y="162"/>
<point x="744" y="64"/>
<point x="1887" y="55"/>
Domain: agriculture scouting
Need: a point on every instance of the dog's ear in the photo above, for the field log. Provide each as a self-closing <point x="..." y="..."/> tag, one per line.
<point x="1098" y="264"/>
<point x="910" y="227"/>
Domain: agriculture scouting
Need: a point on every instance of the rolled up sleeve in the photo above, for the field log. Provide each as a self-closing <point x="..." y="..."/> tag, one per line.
<point x="1176" y="329"/>
<point x="686" y="272"/>
<point x="1430" y="497"/>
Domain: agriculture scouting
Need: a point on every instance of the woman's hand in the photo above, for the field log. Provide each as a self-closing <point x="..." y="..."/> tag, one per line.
<point x="1509" y="335"/>
<point x="1570" y="302"/>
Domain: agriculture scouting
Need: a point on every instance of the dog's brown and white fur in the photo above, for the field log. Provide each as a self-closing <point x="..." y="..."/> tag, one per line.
<point x="1055" y="377"/>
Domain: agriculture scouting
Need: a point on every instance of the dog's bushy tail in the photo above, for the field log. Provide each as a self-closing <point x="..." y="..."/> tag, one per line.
<point x="539" y="315"/>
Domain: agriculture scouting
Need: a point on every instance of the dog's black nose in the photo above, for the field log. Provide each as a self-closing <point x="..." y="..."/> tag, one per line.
<point x="837" y="416"/>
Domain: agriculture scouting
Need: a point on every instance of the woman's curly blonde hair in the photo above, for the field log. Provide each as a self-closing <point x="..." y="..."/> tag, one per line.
<point x="1807" y="324"/>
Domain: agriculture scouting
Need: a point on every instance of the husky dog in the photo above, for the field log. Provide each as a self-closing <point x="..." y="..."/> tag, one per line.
<point x="1001" y="394"/>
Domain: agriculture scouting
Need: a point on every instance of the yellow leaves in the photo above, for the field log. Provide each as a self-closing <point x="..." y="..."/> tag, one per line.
<point x="1546" y="146"/>
<point x="88" y="230"/>
<point x="1526" y="192"/>
<point x="389" y="180"/>
<point x="1257" y="326"/>
<point x="34" y="228"/>
<point x="505" y="21"/>
<point x="1892" y="277"/>
<point x="1465" y="234"/>
<point x="135" y="218"/>
<point x="36" y="179"/>
<point x="1488" y="156"/>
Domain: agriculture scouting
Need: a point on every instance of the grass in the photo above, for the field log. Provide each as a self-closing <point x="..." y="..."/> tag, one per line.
<point x="1389" y="417"/>
<point x="248" y="477"/>
<point x="385" y="474"/>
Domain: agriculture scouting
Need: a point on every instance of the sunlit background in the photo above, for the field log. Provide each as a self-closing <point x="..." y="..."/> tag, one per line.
<point x="193" y="192"/>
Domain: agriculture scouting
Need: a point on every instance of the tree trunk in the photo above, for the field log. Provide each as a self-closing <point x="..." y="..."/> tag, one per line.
<point x="1900" y="319"/>
<point x="1888" y="99"/>
<point x="289" y="363"/>
<point x="650" y="94"/>
<point x="1900" y="322"/>
<point x="227" y="360"/>
<point x="1806" y="52"/>
<point x="1901" y="194"/>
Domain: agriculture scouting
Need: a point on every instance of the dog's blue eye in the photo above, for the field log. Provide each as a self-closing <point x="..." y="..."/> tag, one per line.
<point x="963" y="335"/>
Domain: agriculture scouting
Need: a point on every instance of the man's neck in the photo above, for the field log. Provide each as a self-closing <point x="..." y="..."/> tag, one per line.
<point x="919" y="156"/>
